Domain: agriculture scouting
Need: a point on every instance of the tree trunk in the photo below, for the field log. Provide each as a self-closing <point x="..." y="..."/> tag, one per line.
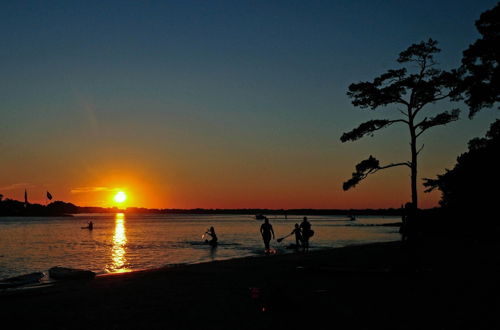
<point x="414" y="154"/>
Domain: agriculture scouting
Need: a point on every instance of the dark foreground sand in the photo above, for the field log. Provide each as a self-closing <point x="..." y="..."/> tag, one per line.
<point x="362" y="287"/>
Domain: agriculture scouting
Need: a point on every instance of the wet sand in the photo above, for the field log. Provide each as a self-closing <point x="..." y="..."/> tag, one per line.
<point x="361" y="287"/>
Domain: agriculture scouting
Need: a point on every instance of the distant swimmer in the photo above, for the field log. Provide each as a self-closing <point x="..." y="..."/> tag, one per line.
<point x="213" y="240"/>
<point x="266" y="230"/>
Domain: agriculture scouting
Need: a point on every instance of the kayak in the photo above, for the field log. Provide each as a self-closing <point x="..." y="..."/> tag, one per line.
<point x="63" y="273"/>
<point x="21" y="280"/>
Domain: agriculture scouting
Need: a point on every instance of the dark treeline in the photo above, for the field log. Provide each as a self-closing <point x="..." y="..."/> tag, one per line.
<point x="469" y="201"/>
<point x="389" y="211"/>
<point x="11" y="207"/>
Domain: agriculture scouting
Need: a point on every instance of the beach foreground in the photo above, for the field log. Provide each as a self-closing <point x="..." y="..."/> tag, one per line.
<point x="361" y="287"/>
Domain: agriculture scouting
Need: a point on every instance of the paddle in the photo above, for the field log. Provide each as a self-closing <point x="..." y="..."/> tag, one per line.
<point x="204" y="235"/>
<point x="280" y="239"/>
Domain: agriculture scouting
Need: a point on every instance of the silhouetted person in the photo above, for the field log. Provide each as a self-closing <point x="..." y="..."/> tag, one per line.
<point x="306" y="233"/>
<point x="266" y="230"/>
<point x="213" y="240"/>
<point x="403" y="230"/>
<point x="298" y="235"/>
<point x="408" y="228"/>
<point x="91" y="225"/>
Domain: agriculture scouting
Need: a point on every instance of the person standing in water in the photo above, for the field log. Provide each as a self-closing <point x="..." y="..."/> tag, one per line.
<point x="213" y="241"/>
<point x="266" y="230"/>
<point x="306" y="233"/>
<point x="298" y="235"/>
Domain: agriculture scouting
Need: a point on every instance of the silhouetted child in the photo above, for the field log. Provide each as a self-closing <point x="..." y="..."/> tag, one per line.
<point x="298" y="235"/>
<point x="266" y="230"/>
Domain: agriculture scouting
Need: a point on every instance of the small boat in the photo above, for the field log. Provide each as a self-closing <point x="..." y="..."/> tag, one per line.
<point x="259" y="217"/>
<point x="13" y="282"/>
<point x="63" y="273"/>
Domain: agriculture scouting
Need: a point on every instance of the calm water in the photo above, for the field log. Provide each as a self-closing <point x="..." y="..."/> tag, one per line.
<point x="122" y="243"/>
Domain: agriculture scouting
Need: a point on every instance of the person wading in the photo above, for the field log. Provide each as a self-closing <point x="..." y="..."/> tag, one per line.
<point x="306" y="233"/>
<point x="266" y="230"/>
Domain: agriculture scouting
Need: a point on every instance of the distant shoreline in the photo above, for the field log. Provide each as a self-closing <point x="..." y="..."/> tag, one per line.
<point x="341" y="212"/>
<point x="13" y="208"/>
<point x="223" y="212"/>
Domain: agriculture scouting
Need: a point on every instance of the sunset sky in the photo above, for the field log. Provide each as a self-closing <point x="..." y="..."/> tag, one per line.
<point x="215" y="104"/>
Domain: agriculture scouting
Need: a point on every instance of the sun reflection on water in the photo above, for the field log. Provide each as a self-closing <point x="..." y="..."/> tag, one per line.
<point x="118" y="252"/>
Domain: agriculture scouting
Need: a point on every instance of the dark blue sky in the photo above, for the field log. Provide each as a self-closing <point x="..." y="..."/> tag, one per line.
<point x="250" y="88"/>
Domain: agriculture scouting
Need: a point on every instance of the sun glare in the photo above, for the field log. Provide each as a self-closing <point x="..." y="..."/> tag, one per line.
<point x="120" y="197"/>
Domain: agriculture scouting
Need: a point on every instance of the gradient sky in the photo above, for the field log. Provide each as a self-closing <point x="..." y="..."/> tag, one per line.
<point x="226" y="104"/>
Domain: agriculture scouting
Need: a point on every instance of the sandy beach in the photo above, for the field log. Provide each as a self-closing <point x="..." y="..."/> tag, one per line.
<point x="359" y="287"/>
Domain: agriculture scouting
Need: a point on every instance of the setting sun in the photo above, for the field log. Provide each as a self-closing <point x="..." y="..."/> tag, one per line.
<point x="120" y="197"/>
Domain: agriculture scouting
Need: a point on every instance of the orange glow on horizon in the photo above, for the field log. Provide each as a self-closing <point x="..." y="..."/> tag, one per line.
<point x="201" y="188"/>
<point x="291" y="195"/>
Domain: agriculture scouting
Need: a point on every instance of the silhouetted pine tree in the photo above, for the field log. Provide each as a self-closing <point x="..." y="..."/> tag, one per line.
<point x="408" y="90"/>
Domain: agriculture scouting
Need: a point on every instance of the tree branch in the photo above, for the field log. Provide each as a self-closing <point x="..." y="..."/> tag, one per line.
<point x="440" y="119"/>
<point x="432" y="100"/>
<point x="366" y="167"/>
